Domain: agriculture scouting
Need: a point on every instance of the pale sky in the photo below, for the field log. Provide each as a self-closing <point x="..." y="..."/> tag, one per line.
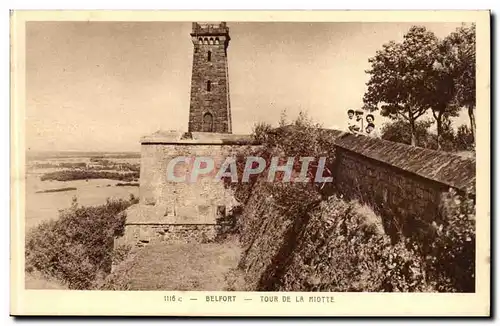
<point x="100" y="86"/>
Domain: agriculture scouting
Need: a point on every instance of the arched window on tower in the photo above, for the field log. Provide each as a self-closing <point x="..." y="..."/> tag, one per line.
<point x="205" y="41"/>
<point x="200" y="41"/>
<point x="216" y="40"/>
<point x="209" y="56"/>
<point x="208" y="122"/>
<point x="211" y="41"/>
<point x="209" y="86"/>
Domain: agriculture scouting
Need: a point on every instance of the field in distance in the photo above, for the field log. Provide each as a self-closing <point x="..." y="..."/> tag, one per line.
<point x="54" y="178"/>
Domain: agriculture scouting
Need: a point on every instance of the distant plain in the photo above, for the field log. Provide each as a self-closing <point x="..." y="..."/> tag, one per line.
<point x="41" y="206"/>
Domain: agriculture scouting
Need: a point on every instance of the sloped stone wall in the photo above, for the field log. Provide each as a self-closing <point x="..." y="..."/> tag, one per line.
<point x="400" y="182"/>
<point x="318" y="244"/>
<point x="389" y="191"/>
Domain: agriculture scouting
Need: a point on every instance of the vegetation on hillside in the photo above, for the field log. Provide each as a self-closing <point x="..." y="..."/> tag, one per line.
<point x="306" y="237"/>
<point x="77" y="248"/>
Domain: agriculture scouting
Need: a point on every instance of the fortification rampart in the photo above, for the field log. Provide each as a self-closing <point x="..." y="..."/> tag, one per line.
<point x="399" y="180"/>
<point x="404" y="184"/>
<point x="185" y="211"/>
<point x="304" y="242"/>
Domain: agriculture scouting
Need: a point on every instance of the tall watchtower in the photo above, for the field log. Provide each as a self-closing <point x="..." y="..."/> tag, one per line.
<point x="210" y="109"/>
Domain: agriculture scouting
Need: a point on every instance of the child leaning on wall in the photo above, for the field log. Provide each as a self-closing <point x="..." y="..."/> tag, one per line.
<point x="359" y="120"/>
<point x="350" y="121"/>
<point x="371" y="130"/>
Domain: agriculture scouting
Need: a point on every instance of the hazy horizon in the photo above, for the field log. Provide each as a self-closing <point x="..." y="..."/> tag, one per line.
<point x="100" y="86"/>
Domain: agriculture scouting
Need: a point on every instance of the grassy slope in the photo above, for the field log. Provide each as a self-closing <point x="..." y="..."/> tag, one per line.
<point x="36" y="281"/>
<point x="183" y="267"/>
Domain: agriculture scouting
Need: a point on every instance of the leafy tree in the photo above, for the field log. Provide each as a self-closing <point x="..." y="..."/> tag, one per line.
<point x="398" y="77"/>
<point x="441" y="87"/>
<point x="399" y="131"/>
<point x="461" y="56"/>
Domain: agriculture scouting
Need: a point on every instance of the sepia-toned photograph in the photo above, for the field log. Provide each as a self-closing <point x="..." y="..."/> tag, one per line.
<point x="258" y="157"/>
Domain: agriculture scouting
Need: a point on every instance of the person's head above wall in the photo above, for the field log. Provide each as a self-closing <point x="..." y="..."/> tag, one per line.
<point x="370" y="118"/>
<point x="350" y="113"/>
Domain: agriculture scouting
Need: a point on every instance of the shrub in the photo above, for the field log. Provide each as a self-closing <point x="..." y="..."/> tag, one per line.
<point x="133" y="200"/>
<point x="297" y="139"/>
<point x="77" y="248"/>
<point x="120" y="253"/>
<point x="451" y="253"/>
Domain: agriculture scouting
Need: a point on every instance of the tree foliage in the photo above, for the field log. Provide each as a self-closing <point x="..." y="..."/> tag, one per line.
<point x="441" y="91"/>
<point x="424" y="73"/>
<point x="451" y="141"/>
<point x="464" y="138"/>
<point x="398" y="77"/>
<point x="399" y="131"/>
<point x="461" y="56"/>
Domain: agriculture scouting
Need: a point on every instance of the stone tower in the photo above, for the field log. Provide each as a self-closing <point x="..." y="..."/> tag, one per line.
<point x="210" y="109"/>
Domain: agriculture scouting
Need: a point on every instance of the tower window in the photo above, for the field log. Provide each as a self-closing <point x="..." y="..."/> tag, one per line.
<point x="209" y="56"/>
<point x="209" y="86"/>
<point x="208" y="122"/>
<point x="216" y="40"/>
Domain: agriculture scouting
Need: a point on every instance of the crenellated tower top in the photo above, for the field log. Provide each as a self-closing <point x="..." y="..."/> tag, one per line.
<point x="210" y="34"/>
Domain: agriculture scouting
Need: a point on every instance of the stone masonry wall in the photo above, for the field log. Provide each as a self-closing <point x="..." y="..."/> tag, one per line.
<point x="389" y="191"/>
<point x="400" y="182"/>
<point x="188" y="210"/>
<point x="141" y="234"/>
<point x="315" y="247"/>
<point x="185" y="198"/>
